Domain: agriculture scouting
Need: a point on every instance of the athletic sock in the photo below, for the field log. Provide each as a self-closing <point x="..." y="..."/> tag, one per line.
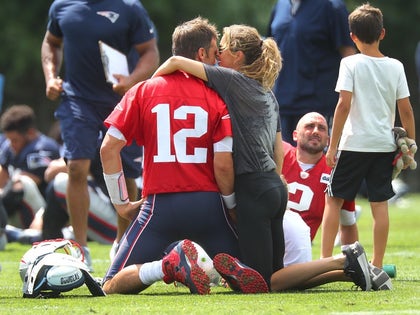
<point x="151" y="272"/>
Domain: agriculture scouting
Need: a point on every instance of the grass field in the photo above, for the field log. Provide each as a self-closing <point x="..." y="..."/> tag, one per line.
<point x="335" y="298"/>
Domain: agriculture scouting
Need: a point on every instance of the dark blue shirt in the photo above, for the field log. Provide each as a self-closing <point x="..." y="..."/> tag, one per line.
<point x="34" y="158"/>
<point x="309" y="42"/>
<point x="82" y="24"/>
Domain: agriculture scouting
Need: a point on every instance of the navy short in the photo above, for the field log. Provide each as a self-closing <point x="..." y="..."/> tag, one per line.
<point x="166" y="218"/>
<point x="354" y="167"/>
<point x="82" y="131"/>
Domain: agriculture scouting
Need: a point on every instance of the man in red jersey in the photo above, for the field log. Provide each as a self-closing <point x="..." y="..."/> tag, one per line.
<point x="185" y="129"/>
<point x="307" y="176"/>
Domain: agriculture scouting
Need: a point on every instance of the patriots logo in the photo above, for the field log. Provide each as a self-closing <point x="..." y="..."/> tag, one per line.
<point x="38" y="159"/>
<point x="112" y="16"/>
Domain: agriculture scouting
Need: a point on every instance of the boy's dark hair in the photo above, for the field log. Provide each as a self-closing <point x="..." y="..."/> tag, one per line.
<point x="189" y="36"/>
<point x="18" y="118"/>
<point x="366" y="22"/>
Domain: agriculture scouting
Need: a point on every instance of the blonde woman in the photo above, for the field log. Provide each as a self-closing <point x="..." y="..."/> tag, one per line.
<point x="249" y="66"/>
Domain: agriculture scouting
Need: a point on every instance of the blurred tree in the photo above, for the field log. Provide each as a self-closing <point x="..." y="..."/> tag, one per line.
<point x="168" y="14"/>
<point x="23" y="27"/>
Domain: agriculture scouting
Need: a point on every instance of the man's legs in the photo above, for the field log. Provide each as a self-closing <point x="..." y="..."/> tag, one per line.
<point x="180" y="264"/>
<point x="126" y="281"/>
<point x="78" y="198"/>
<point x="307" y="275"/>
<point x="80" y="128"/>
<point x="351" y="264"/>
<point x="297" y="239"/>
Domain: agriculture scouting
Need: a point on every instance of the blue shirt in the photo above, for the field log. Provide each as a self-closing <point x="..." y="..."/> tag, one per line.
<point x="34" y="158"/>
<point x="82" y="24"/>
<point x="309" y="42"/>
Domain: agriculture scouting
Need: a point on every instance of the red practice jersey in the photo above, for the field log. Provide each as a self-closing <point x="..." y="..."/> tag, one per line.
<point x="307" y="189"/>
<point x="177" y="119"/>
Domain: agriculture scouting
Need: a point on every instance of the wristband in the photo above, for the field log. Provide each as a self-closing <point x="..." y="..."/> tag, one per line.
<point x="117" y="188"/>
<point x="230" y="200"/>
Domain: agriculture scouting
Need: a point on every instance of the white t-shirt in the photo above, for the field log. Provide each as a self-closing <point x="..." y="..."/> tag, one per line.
<point x="376" y="84"/>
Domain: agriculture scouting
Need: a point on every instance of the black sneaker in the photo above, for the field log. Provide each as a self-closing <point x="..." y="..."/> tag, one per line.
<point x="357" y="266"/>
<point x="379" y="278"/>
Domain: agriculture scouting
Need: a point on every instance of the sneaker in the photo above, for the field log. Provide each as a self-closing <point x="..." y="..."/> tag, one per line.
<point x="206" y="263"/>
<point x="357" y="266"/>
<point x="30" y="236"/>
<point x="181" y="265"/>
<point x="379" y="278"/>
<point x="240" y="277"/>
<point x="87" y="258"/>
<point x="68" y="232"/>
<point x="13" y="233"/>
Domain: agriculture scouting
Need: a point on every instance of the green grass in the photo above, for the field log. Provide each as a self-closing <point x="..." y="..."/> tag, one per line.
<point x="403" y="251"/>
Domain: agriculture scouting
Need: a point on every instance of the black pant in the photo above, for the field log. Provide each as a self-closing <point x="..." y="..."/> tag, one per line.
<point x="261" y="202"/>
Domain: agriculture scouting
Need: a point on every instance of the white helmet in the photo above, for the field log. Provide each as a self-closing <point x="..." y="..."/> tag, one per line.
<point x="53" y="273"/>
<point x="46" y="272"/>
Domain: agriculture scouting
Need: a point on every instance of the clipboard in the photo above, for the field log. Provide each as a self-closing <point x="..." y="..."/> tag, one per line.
<point x="113" y="61"/>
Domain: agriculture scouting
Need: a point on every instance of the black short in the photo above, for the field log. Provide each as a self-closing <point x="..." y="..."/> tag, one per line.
<point x="354" y="167"/>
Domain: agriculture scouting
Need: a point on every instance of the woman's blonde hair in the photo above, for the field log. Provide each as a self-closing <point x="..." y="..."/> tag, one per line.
<point x="263" y="60"/>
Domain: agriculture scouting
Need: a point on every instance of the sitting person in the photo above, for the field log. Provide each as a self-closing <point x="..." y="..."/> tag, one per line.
<point x="307" y="175"/>
<point x="25" y="155"/>
<point x="53" y="221"/>
<point x="102" y="218"/>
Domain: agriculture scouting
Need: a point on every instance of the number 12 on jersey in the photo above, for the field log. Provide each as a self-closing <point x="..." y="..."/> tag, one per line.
<point x="165" y="137"/>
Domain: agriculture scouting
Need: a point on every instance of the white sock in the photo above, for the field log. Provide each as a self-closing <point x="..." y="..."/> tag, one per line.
<point x="151" y="272"/>
<point x="344" y="247"/>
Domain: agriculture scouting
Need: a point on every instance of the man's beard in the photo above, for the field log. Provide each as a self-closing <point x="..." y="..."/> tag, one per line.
<point x="312" y="149"/>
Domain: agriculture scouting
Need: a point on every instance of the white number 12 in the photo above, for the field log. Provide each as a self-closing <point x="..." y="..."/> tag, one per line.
<point x="180" y="137"/>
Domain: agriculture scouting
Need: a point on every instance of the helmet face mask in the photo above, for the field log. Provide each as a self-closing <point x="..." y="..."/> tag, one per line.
<point x="46" y="247"/>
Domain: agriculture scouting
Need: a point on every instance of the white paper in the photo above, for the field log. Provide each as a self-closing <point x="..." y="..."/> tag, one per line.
<point x="114" y="62"/>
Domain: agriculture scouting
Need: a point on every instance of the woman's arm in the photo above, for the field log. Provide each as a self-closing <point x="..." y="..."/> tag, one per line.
<point x="174" y="63"/>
